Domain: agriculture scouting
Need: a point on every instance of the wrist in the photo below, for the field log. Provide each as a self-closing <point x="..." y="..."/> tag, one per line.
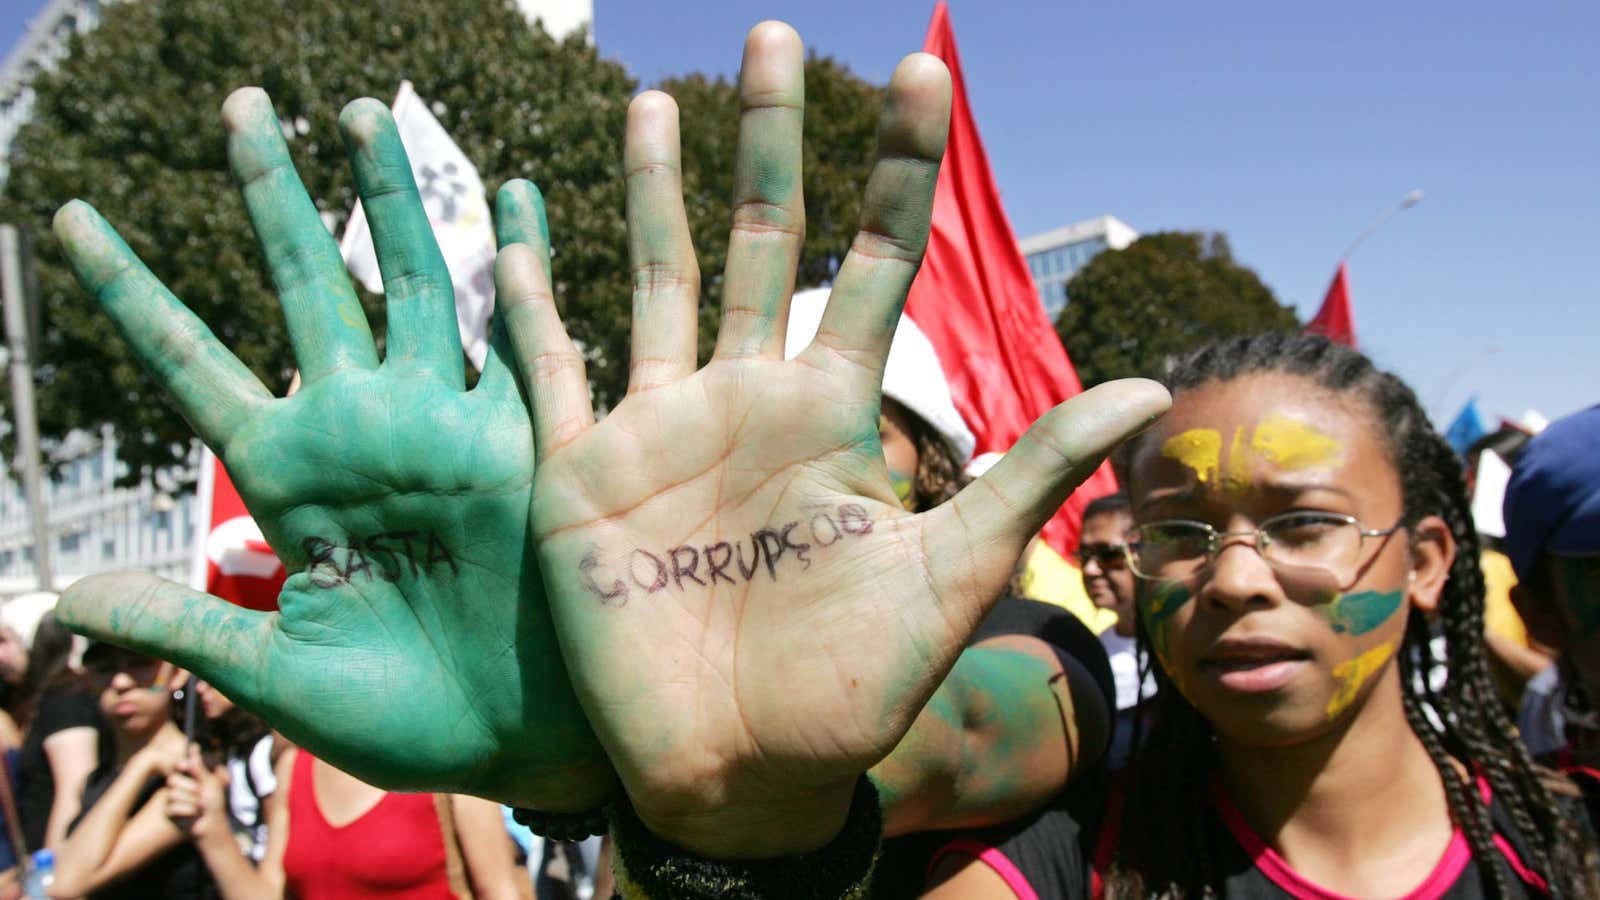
<point x="772" y="827"/>
<point x="649" y="867"/>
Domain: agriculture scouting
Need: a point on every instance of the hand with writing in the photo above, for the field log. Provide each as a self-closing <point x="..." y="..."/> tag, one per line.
<point x="749" y="616"/>
<point x="414" y="647"/>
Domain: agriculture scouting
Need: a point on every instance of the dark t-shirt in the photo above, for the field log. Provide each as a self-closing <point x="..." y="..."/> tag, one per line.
<point x="179" y="873"/>
<point x="59" y="709"/>
<point x="1051" y="857"/>
<point x="902" y="870"/>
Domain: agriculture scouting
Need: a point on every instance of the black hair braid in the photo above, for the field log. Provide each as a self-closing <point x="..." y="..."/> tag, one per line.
<point x="1462" y="726"/>
<point x="1168" y="857"/>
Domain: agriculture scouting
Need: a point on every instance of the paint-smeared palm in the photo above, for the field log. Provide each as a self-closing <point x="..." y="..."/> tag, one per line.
<point x="751" y="619"/>
<point x="414" y="646"/>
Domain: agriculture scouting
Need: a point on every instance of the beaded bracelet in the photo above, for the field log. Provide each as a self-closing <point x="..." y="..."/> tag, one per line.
<point x="648" y="868"/>
<point x="562" y="826"/>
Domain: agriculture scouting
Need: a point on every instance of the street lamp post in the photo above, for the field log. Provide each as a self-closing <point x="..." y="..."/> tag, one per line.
<point x="1409" y="200"/>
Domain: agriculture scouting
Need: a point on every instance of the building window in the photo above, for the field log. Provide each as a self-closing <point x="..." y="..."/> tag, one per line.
<point x="7" y="557"/>
<point x="161" y="520"/>
<point x="70" y="542"/>
<point x="108" y="549"/>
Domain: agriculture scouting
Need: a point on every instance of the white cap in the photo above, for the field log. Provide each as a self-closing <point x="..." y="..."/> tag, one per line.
<point x="913" y="377"/>
<point x="22" y="613"/>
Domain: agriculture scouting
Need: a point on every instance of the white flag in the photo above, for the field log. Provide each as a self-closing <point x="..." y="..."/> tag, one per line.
<point x="452" y="194"/>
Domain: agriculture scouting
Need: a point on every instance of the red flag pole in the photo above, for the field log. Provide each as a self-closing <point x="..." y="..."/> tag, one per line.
<point x="976" y="301"/>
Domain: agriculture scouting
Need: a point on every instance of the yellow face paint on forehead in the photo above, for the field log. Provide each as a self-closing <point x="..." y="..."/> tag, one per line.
<point x="1200" y="449"/>
<point x="1279" y="440"/>
<point x="1293" y="445"/>
<point x="1353" y="673"/>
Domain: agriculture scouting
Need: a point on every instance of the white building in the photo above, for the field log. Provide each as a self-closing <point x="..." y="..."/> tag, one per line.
<point x="1054" y="256"/>
<point x="95" y="526"/>
<point x="41" y="46"/>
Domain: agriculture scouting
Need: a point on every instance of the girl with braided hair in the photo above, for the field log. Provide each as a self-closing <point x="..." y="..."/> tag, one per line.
<point x="1302" y="534"/>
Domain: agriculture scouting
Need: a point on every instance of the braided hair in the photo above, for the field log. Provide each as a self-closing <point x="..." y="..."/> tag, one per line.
<point x="1162" y="849"/>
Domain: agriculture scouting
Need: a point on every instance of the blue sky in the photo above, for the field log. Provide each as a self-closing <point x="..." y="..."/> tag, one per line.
<point x="1287" y="126"/>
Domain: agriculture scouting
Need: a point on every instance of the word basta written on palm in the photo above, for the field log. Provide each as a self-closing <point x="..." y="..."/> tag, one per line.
<point x="413" y="647"/>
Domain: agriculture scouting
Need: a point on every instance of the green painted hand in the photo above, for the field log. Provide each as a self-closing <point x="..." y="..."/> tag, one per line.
<point x="750" y="618"/>
<point x="414" y="648"/>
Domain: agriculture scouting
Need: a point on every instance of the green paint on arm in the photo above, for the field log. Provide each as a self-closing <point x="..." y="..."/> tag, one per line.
<point x="969" y="757"/>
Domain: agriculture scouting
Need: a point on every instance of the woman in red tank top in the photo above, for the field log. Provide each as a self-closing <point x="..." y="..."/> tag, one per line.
<point x="332" y="836"/>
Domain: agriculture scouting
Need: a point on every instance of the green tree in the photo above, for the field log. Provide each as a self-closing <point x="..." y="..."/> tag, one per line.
<point x="1128" y="311"/>
<point x="129" y="121"/>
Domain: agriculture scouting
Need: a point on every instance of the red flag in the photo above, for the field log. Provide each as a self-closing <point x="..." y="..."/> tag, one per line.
<point x="232" y="560"/>
<point x="1334" y="319"/>
<point x="977" y="304"/>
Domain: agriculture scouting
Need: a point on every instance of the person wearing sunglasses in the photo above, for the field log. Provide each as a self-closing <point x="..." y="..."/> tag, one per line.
<point x="1102" y="557"/>
<point x="123" y="845"/>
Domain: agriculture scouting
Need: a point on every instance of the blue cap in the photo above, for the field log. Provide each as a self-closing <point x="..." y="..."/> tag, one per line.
<point x="1552" y="503"/>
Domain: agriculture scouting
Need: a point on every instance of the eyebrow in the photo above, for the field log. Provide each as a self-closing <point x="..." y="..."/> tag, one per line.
<point x="1278" y="488"/>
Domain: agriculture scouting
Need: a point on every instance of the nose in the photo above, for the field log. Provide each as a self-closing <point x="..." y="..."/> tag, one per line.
<point x="1091" y="567"/>
<point x="1239" y="578"/>
<point x="122" y="681"/>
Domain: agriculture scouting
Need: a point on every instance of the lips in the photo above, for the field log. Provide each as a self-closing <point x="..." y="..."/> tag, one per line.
<point x="1253" y="665"/>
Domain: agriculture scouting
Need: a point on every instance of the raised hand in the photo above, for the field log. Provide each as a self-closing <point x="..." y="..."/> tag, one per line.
<point x="750" y="618"/>
<point x="414" y="648"/>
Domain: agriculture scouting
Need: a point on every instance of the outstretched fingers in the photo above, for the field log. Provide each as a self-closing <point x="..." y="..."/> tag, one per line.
<point x="218" y="641"/>
<point x="666" y="277"/>
<point x="552" y="368"/>
<point x="326" y="323"/>
<point x="769" y="217"/>
<point x="421" y="301"/>
<point x="519" y="218"/>
<point x="864" y="307"/>
<point x="214" y="391"/>
<point x="972" y="542"/>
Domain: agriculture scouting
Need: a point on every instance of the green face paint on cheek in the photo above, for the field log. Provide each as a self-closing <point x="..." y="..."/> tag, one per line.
<point x="1158" y="606"/>
<point x="1360" y="613"/>
<point x="902" y="486"/>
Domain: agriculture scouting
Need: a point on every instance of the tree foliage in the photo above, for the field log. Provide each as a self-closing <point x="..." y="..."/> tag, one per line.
<point x="129" y="121"/>
<point x="1128" y="311"/>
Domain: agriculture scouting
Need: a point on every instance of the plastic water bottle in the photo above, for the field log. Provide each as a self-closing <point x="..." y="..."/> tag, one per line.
<point x="41" y="874"/>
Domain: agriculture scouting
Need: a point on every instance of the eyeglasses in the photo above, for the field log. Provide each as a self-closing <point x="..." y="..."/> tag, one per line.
<point x="1107" y="556"/>
<point x="1300" y="541"/>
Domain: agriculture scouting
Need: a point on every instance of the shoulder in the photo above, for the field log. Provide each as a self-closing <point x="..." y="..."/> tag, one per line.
<point x="1038" y="857"/>
<point x="64" y="708"/>
<point x="1067" y="636"/>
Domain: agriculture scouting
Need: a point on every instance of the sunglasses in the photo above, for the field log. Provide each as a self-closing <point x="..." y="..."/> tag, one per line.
<point x="1107" y="556"/>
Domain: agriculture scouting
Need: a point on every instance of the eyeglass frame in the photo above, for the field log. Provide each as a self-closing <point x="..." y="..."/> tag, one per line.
<point x="1216" y="538"/>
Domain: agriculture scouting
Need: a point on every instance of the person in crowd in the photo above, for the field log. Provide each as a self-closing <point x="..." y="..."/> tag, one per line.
<point x="249" y="752"/>
<point x="1297" y="524"/>
<point x="123" y="846"/>
<point x="65" y="736"/>
<point x="1103" y="559"/>
<point x="331" y="836"/>
<point x="1552" y="518"/>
